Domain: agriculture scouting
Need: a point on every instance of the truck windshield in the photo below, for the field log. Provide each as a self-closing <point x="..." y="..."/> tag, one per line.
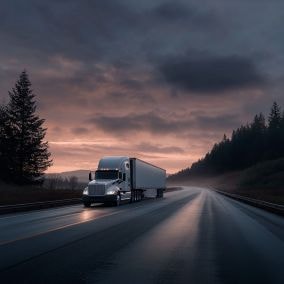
<point x="113" y="174"/>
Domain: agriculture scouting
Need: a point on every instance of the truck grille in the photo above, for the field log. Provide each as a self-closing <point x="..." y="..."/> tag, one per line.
<point x="96" y="189"/>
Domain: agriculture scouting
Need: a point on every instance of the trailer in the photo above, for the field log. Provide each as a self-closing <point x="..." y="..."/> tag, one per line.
<point x="120" y="178"/>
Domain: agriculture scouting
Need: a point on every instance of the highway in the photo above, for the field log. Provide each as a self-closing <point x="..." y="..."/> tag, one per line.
<point x="192" y="235"/>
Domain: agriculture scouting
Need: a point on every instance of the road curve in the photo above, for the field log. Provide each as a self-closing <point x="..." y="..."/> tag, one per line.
<point x="190" y="236"/>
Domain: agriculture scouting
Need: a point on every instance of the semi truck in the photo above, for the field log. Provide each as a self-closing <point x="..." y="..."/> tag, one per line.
<point x="120" y="178"/>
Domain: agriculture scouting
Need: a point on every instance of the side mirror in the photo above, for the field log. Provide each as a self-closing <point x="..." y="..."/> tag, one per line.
<point x="90" y="176"/>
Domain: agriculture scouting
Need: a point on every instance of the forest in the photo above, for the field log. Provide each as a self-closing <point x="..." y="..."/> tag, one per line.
<point x="256" y="142"/>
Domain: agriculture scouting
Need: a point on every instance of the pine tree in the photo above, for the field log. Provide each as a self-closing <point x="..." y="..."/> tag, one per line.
<point x="258" y="125"/>
<point x="274" y="132"/>
<point x="257" y="140"/>
<point x="281" y="138"/>
<point x="30" y="157"/>
<point x="5" y="143"/>
<point x="274" y="119"/>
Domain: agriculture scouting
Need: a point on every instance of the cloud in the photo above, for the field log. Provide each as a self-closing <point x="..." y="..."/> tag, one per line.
<point x="176" y="73"/>
<point x="148" y="147"/>
<point x="79" y="130"/>
<point x="225" y="122"/>
<point x="170" y="11"/>
<point x="156" y="124"/>
<point x="188" y="14"/>
<point x="211" y="74"/>
<point x="150" y="122"/>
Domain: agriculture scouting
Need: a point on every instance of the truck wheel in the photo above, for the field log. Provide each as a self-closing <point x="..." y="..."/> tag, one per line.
<point x="118" y="200"/>
<point x="87" y="204"/>
<point x="160" y="192"/>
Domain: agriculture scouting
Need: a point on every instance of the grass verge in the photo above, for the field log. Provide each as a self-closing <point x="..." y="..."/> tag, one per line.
<point x="11" y="194"/>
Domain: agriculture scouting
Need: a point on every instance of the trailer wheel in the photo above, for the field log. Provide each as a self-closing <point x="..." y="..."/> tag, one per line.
<point x="160" y="193"/>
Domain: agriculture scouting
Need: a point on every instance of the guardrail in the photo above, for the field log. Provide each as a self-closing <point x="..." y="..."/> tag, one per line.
<point x="272" y="207"/>
<point x="38" y="205"/>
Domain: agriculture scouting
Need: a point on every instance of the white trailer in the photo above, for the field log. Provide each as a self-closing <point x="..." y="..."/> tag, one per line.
<point x="123" y="178"/>
<point x="147" y="177"/>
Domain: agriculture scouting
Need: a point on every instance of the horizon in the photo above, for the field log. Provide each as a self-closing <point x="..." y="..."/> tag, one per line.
<point x="160" y="81"/>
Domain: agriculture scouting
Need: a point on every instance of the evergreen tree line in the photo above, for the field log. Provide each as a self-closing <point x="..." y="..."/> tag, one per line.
<point x="24" y="154"/>
<point x="258" y="141"/>
<point x="250" y="144"/>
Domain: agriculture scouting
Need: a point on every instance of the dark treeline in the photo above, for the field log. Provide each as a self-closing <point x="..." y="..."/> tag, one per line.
<point x="24" y="156"/>
<point x="55" y="181"/>
<point x="258" y="141"/>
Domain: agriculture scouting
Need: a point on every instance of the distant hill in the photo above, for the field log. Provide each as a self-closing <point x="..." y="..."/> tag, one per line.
<point x="82" y="175"/>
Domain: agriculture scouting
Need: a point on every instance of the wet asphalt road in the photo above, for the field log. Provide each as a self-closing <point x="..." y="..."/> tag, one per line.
<point x="190" y="236"/>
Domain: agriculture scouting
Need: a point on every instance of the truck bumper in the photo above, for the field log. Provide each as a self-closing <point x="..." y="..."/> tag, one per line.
<point x="99" y="199"/>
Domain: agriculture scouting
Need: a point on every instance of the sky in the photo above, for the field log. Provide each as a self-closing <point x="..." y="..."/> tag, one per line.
<point x="158" y="80"/>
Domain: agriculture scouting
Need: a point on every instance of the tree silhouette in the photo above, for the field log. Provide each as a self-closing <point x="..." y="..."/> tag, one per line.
<point x="28" y="153"/>
<point x="6" y="142"/>
<point x="274" y="131"/>
<point x="274" y="118"/>
<point x="249" y="144"/>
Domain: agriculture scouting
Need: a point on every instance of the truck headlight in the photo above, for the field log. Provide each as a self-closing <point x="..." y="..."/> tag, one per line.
<point x="112" y="190"/>
<point x="86" y="191"/>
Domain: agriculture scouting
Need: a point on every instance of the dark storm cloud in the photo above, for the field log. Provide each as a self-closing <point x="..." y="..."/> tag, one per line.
<point x="155" y="124"/>
<point x="186" y="14"/>
<point x="172" y="11"/>
<point x="137" y="123"/>
<point x="211" y="74"/>
<point x="77" y="29"/>
<point x="101" y="31"/>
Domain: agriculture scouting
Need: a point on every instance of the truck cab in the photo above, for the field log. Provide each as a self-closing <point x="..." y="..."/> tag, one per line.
<point x="111" y="182"/>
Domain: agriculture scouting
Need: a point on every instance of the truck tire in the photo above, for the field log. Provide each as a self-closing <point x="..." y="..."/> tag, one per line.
<point x="160" y="192"/>
<point x="87" y="204"/>
<point x="141" y="195"/>
<point x="118" y="200"/>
